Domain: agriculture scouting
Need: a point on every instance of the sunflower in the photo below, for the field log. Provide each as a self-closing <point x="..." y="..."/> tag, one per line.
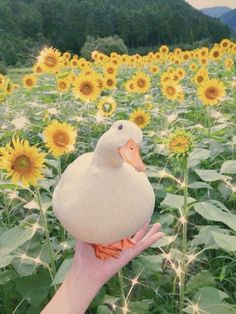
<point x="74" y="63"/>
<point x="110" y="69"/>
<point x="107" y="106"/>
<point x="204" y="61"/>
<point x="215" y="53"/>
<point x="129" y="86"/>
<point x="211" y="92"/>
<point x="186" y="55"/>
<point x="229" y="62"/>
<point x="149" y="106"/>
<point x="193" y="67"/>
<point x="94" y="55"/>
<point x="2" y="80"/>
<point x="201" y="76"/>
<point x="23" y="163"/>
<point x="3" y="96"/>
<point x="29" y="81"/>
<point x="180" y="73"/>
<point x="180" y="143"/>
<point x="86" y="87"/>
<point x="66" y="55"/>
<point x="225" y="44"/>
<point x="50" y="60"/>
<point x="8" y="87"/>
<point x="2" y="154"/>
<point x="37" y="68"/>
<point x="109" y="82"/>
<point x="59" y="138"/>
<point x="63" y="85"/>
<point x="140" y="118"/>
<point x="142" y="82"/>
<point x="154" y="69"/>
<point x="165" y="77"/>
<point x="164" y="49"/>
<point x="171" y="90"/>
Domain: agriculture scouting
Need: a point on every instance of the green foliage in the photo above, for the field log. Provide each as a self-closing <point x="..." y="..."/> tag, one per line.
<point x="3" y="69"/>
<point x="106" y="45"/>
<point x="27" y="25"/>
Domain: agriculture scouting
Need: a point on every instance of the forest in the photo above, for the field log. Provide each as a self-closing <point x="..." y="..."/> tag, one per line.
<point x="27" y="25"/>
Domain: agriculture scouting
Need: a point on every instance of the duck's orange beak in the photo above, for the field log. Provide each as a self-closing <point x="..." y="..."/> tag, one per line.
<point x="130" y="154"/>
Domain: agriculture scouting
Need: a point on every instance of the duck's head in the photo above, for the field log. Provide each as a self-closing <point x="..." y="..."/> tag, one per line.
<point x="121" y="143"/>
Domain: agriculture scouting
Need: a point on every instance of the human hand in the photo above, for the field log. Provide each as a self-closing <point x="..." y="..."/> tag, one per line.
<point x="99" y="271"/>
<point x="88" y="273"/>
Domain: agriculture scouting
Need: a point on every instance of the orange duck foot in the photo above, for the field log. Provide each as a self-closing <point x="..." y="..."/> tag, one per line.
<point x="112" y="250"/>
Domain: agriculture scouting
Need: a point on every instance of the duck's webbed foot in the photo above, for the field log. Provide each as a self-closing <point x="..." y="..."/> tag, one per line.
<point x="112" y="250"/>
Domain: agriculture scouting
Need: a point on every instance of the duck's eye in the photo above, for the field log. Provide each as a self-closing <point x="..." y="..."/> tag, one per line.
<point x="120" y="127"/>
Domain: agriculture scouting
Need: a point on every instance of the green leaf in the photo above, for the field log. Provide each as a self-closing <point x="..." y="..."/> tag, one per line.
<point x="211" y="212"/>
<point x="229" y="167"/>
<point x="199" y="185"/>
<point x="175" y="201"/>
<point x="210" y="301"/>
<point x="13" y="238"/>
<point x="200" y="280"/>
<point x="103" y="309"/>
<point x="62" y="271"/>
<point x="224" y="241"/>
<point x="197" y="155"/>
<point x="34" y="288"/>
<point x="205" y="237"/>
<point x="165" y="240"/>
<point x="152" y="262"/>
<point x="209" y="175"/>
<point x="6" y="276"/>
<point x="5" y="260"/>
<point x="140" y="306"/>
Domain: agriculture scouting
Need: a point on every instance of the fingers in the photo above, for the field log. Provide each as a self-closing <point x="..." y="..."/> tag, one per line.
<point x="141" y="233"/>
<point x="155" y="228"/>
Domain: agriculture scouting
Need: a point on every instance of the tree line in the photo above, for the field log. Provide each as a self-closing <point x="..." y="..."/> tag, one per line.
<point x="25" y="25"/>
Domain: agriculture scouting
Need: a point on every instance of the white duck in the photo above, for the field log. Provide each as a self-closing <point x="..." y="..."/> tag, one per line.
<point x="105" y="197"/>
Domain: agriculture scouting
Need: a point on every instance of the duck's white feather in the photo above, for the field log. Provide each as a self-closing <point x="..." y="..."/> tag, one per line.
<point x="102" y="206"/>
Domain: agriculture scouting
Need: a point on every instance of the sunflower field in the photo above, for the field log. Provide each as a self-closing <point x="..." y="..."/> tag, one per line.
<point x="185" y="104"/>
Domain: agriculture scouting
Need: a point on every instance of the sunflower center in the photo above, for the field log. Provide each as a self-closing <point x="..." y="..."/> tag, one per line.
<point x="211" y="93"/>
<point x="109" y="82"/>
<point x="110" y="70"/>
<point x="86" y="88"/>
<point x="50" y="61"/>
<point x="61" y="138"/>
<point x="200" y="78"/>
<point x="107" y="107"/>
<point x="62" y="85"/>
<point x="170" y="90"/>
<point x="179" y="144"/>
<point x="139" y="120"/>
<point x="29" y="82"/>
<point x="141" y="82"/>
<point x="22" y="164"/>
<point x="216" y="54"/>
<point x="38" y="70"/>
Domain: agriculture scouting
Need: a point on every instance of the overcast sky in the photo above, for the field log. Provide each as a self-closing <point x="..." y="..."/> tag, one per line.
<point x="200" y="4"/>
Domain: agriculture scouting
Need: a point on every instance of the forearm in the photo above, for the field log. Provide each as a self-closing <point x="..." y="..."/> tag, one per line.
<point x="74" y="295"/>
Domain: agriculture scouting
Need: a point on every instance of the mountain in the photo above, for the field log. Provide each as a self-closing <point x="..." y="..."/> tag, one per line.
<point x="26" y="25"/>
<point x="229" y="19"/>
<point x="216" y="11"/>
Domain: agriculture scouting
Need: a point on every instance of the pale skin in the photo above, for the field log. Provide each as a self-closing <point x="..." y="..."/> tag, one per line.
<point x="88" y="273"/>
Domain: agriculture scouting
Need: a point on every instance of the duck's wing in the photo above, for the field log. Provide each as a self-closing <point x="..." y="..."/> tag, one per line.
<point x="70" y="177"/>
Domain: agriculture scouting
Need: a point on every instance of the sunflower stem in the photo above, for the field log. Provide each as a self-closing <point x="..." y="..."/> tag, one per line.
<point x="184" y="239"/>
<point x="45" y="225"/>
<point x="122" y="292"/>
